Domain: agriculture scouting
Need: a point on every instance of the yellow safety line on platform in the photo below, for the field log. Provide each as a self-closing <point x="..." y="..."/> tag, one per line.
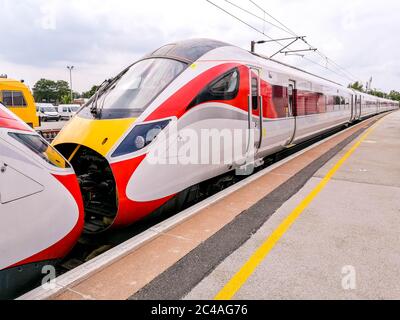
<point x="240" y="278"/>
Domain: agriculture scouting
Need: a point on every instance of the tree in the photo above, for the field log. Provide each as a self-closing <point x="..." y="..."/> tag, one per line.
<point x="45" y="91"/>
<point x="51" y="91"/>
<point x="90" y="93"/>
<point x="378" y="93"/>
<point x="66" y="99"/>
<point x="394" y="95"/>
<point x="356" y="86"/>
<point x="77" y="95"/>
<point x="62" y="89"/>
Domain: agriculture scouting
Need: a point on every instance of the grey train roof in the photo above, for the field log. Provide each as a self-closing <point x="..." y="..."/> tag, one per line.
<point x="188" y="50"/>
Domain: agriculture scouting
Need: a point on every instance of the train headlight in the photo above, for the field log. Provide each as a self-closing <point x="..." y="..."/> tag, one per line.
<point x="140" y="142"/>
<point x="140" y="137"/>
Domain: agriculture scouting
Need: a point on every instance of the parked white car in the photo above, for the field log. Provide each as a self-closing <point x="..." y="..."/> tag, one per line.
<point x="67" y="111"/>
<point x="47" y="112"/>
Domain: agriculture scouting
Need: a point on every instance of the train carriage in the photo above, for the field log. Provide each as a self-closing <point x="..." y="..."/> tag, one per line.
<point x="193" y="85"/>
<point x="40" y="206"/>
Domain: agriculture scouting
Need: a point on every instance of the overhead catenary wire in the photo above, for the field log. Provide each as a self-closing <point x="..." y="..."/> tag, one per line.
<point x="341" y="74"/>
<point x="324" y="56"/>
<point x="258" y="17"/>
<point x="284" y="29"/>
<point x="265" y="12"/>
<point x="240" y="20"/>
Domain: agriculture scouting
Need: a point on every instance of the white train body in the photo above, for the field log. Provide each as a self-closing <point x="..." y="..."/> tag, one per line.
<point x="40" y="205"/>
<point x="193" y="86"/>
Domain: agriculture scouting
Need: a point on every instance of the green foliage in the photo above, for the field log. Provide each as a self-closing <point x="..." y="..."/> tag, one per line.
<point x="90" y="93"/>
<point x="50" y="91"/>
<point x="356" y="86"/>
<point x="378" y="93"/>
<point x="394" y="95"/>
<point x="62" y="89"/>
<point x="66" y="99"/>
<point x="44" y="90"/>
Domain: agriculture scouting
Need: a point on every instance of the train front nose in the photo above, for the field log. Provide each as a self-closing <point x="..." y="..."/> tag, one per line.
<point x="86" y="144"/>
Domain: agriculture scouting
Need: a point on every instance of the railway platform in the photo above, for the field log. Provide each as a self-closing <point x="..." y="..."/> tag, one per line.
<point x="320" y="224"/>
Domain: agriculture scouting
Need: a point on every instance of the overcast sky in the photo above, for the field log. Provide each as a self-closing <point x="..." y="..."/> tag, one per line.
<point x="41" y="37"/>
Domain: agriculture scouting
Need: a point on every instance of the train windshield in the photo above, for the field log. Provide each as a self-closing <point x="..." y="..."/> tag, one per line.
<point x="139" y="86"/>
<point x="39" y="146"/>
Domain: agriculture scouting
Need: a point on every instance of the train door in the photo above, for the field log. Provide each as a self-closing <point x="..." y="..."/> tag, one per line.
<point x="255" y="106"/>
<point x="292" y="108"/>
<point x="357" y="107"/>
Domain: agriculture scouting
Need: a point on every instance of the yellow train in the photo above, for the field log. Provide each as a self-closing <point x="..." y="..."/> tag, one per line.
<point x="17" y="97"/>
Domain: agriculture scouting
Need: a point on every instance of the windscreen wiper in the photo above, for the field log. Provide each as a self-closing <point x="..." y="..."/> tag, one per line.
<point x="104" y="87"/>
<point x="93" y="108"/>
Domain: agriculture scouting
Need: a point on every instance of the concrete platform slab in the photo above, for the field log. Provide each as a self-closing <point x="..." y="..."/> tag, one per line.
<point x="351" y="226"/>
<point x="199" y="251"/>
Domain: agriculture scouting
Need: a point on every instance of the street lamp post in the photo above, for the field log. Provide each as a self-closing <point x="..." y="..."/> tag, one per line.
<point x="70" y="68"/>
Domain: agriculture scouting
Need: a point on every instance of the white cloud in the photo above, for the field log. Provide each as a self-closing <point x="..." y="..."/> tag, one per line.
<point x="101" y="37"/>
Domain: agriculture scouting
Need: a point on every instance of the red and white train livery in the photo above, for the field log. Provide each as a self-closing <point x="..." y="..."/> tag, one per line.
<point x="194" y="84"/>
<point x="41" y="206"/>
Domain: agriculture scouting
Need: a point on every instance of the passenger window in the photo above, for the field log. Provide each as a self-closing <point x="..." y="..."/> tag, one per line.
<point x="254" y="92"/>
<point x="337" y="102"/>
<point x="291" y="98"/>
<point x="279" y="107"/>
<point x="342" y="103"/>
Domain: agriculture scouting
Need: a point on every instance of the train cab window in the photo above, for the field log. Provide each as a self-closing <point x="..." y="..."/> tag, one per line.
<point x="40" y="147"/>
<point x="130" y="93"/>
<point x="7" y="98"/>
<point x="225" y="87"/>
<point x="13" y="99"/>
<point x="18" y="99"/>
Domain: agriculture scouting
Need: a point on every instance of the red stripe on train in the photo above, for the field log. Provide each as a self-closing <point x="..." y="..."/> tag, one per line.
<point x="175" y="106"/>
<point x="131" y="211"/>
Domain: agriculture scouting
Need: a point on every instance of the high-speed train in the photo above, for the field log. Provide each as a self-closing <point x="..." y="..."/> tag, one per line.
<point x="41" y="207"/>
<point x="195" y="86"/>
